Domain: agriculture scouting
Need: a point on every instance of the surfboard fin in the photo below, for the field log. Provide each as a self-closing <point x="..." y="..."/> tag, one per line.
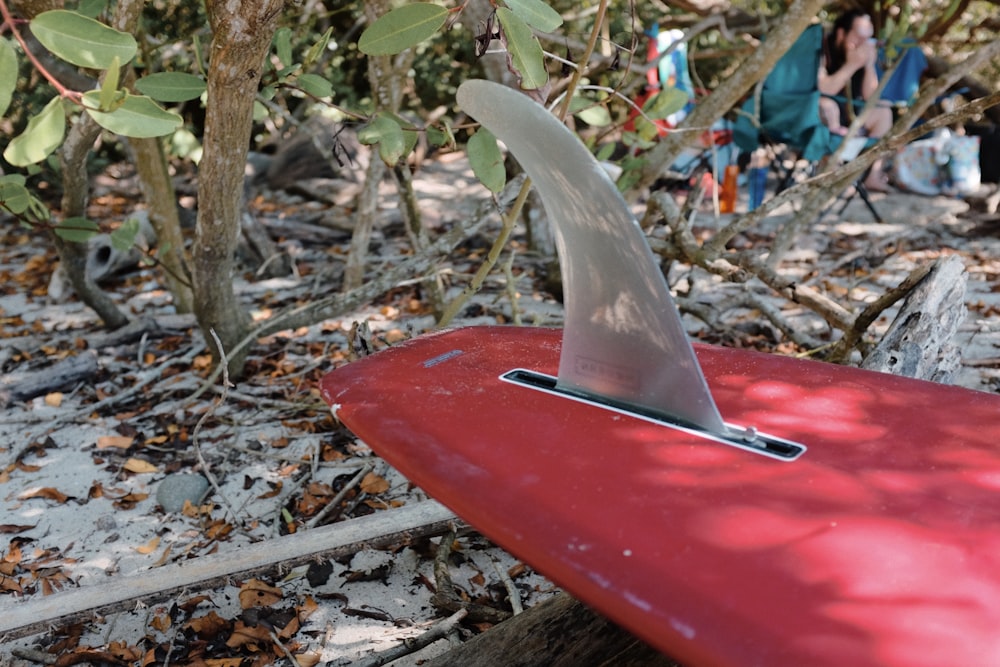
<point x="623" y="339"/>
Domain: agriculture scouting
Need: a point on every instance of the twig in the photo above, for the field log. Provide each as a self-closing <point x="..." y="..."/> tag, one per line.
<point x="508" y="271"/>
<point x="412" y="645"/>
<point x="512" y="593"/>
<point x="451" y="310"/>
<point x="333" y="506"/>
<point x="195" y="439"/>
<point x="284" y="649"/>
<point x="445" y="598"/>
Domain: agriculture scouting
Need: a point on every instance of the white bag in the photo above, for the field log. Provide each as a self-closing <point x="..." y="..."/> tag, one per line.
<point x="943" y="164"/>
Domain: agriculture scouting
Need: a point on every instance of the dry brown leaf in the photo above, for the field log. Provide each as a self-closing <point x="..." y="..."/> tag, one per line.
<point x="516" y="571"/>
<point x="129" y="500"/>
<point x="47" y="493"/>
<point x="160" y="622"/>
<point x="54" y="399"/>
<point x="150" y="547"/>
<point x="208" y="626"/>
<point x="256" y="593"/>
<point x="224" y="662"/>
<point x="139" y="466"/>
<point x="13" y="528"/>
<point x="244" y="634"/>
<point x="218" y="529"/>
<point x="310" y="659"/>
<point x="272" y="493"/>
<point x="114" y="441"/>
<point x="307" y="608"/>
<point x="163" y="557"/>
<point x="374" y="484"/>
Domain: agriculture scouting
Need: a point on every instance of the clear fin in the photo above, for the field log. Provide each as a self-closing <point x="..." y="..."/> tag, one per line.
<point x="623" y="338"/>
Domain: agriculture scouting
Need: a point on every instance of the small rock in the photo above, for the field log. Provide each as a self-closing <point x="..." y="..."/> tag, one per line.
<point x="175" y="489"/>
<point x="106" y="523"/>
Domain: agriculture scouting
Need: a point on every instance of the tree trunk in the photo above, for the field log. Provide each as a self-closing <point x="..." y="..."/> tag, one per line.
<point x="242" y="33"/>
<point x="386" y="76"/>
<point x="158" y="190"/>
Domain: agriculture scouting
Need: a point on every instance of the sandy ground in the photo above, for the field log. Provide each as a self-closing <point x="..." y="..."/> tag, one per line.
<point x="81" y="468"/>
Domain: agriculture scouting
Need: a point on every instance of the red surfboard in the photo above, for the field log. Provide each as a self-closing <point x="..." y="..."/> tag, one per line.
<point x="729" y="507"/>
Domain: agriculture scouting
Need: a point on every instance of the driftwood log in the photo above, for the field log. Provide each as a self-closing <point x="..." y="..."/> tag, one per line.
<point x="376" y="531"/>
<point x="559" y="632"/>
<point x="24" y="385"/>
<point x="918" y="343"/>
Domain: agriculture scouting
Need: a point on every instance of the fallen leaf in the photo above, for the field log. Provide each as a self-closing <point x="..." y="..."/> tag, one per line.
<point x="160" y="622"/>
<point x="12" y="528"/>
<point x="374" y="484"/>
<point x="273" y="492"/>
<point x="139" y="466"/>
<point x="310" y="659"/>
<point x="54" y="399"/>
<point x="150" y="547"/>
<point x="163" y="558"/>
<point x="208" y="626"/>
<point x="244" y="634"/>
<point x="256" y="593"/>
<point x="46" y="492"/>
<point x="114" y="441"/>
<point x="516" y="571"/>
<point x="129" y="500"/>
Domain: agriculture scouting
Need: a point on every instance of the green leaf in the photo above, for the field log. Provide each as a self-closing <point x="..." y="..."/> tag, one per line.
<point x="486" y="160"/>
<point x="76" y="230"/>
<point x="8" y="74"/>
<point x="315" y="85"/>
<point x="402" y="28"/>
<point x="594" y="115"/>
<point x="388" y="134"/>
<point x="410" y="133"/>
<point x="667" y="101"/>
<point x="82" y="41"/>
<point x="13" y="195"/>
<point x="525" y="51"/>
<point x="42" y="136"/>
<point x="605" y="152"/>
<point x="536" y="13"/>
<point x="316" y="50"/>
<point x="91" y="8"/>
<point x="109" y="87"/>
<point x="283" y="45"/>
<point x="171" y="86"/>
<point x="137" y="116"/>
<point x="123" y="238"/>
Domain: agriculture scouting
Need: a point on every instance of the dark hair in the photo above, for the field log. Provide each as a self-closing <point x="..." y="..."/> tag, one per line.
<point x="835" y="57"/>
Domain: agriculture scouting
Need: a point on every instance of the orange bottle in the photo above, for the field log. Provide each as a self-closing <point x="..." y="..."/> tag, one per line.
<point x="727" y="198"/>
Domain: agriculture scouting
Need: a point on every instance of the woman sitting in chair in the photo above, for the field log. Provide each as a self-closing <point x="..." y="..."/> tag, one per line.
<point x="848" y="72"/>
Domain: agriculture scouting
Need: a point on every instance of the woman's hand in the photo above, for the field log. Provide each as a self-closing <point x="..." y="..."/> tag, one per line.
<point x="860" y="53"/>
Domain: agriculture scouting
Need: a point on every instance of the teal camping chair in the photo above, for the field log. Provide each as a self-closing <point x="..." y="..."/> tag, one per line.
<point x="787" y="111"/>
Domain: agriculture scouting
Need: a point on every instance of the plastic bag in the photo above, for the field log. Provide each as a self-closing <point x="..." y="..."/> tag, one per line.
<point x="945" y="164"/>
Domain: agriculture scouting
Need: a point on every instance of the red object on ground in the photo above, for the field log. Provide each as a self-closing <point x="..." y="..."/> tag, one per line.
<point x="880" y="545"/>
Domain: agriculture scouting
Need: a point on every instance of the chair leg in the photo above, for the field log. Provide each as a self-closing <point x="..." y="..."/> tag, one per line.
<point x="861" y="190"/>
<point x="866" y="198"/>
